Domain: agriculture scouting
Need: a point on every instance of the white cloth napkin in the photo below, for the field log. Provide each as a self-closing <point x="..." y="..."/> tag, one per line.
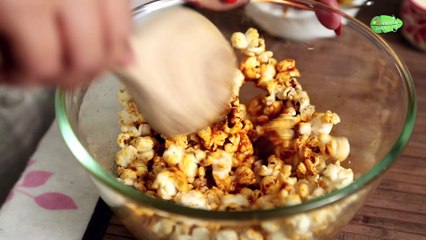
<point x="54" y="198"/>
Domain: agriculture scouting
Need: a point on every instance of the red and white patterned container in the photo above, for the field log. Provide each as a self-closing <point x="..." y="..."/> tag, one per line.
<point x="414" y="17"/>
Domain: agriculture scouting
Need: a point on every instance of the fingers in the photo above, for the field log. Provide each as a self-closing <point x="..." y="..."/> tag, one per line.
<point x="117" y="25"/>
<point x="34" y="48"/>
<point x="328" y="19"/>
<point x="82" y="36"/>
<point x="219" y="5"/>
<point x="66" y="42"/>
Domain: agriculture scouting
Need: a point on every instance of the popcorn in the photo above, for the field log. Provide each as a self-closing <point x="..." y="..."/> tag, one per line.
<point x="168" y="184"/>
<point x="147" y="155"/>
<point x="239" y="40"/>
<point x="226" y="235"/>
<point x="200" y="234"/>
<point x="250" y="67"/>
<point x="173" y="155"/>
<point x="163" y="227"/>
<point x="245" y="176"/>
<point x="276" y="151"/>
<point x="251" y="234"/>
<point x="233" y="202"/>
<point x="132" y="131"/>
<point x="221" y="165"/>
<point x="336" y="177"/>
<point x="128" y="176"/>
<point x="143" y="144"/>
<point x="286" y="65"/>
<point x="266" y="57"/>
<point x="125" y="156"/>
<point x="144" y="129"/>
<point x="123" y="139"/>
<point x="193" y="198"/>
<point x="270" y="226"/>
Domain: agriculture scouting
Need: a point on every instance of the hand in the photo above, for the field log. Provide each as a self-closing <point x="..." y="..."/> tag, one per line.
<point x="330" y="20"/>
<point x="63" y="42"/>
<point x="219" y="5"/>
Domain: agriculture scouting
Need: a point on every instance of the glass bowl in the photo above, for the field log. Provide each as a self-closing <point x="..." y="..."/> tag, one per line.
<point x="356" y="75"/>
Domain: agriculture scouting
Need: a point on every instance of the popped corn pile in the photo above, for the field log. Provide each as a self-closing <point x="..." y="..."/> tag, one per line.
<point x="277" y="151"/>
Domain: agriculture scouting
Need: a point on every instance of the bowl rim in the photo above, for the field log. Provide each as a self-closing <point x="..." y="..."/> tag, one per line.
<point x="100" y="174"/>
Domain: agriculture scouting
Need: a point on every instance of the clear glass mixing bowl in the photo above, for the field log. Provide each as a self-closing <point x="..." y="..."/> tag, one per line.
<point x="356" y="75"/>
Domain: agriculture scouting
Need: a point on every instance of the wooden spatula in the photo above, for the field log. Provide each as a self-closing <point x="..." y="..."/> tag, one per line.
<point x="181" y="79"/>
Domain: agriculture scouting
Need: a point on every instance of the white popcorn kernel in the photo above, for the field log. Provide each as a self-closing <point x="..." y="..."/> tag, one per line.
<point x="330" y="117"/>
<point x="124" y="96"/>
<point x="140" y="168"/>
<point x="144" y="129"/>
<point x="181" y="229"/>
<point x="163" y="227"/>
<point x="147" y="155"/>
<point x="200" y="155"/>
<point x="126" y="156"/>
<point x="123" y="139"/>
<point x="233" y="201"/>
<point x="270" y="227"/>
<point x="301" y="225"/>
<point x="338" y="148"/>
<point x="226" y="235"/>
<point x="222" y="165"/>
<point x="265" y="56"/>
<point x="193" y="198"/>
<point x="286" y="93"/>
<point x="131" y="130"/>
<point x="238" y="81"/>
<point x="279" y="235"/>
<point x="267" y="73"/>
<point x="337" y="177"/>
<point x="128" y="176"/>
<point x="200" y="233"/>
<point x="173" y="155"/>
<point x="265" y="171"/>
<point x="293" y="199"/>
<point x="318" y="192"/>
<point x="255" y="47"/>
<point x="251" y="234"/>
<point x="143" y="144"/>
<point x="250" y="67"/>
<point x="264" y="202"/>
<point x="165" y="185"/>
<point x="305" y="128"/>
<point x="319" y="126"/>
<point x="239" y="40"/>
<point x="182" y="237"/>
<point x="189" y="166"/>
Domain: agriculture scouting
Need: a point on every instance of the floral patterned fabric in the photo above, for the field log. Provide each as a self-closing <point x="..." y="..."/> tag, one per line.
<point x="53" y="199"/>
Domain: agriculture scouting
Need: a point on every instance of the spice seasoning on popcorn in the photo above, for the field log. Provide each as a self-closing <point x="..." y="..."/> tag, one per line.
<point x="277" y="151"/>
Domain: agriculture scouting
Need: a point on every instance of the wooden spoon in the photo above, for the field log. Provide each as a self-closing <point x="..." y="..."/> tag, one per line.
<point x="181" y="79"/>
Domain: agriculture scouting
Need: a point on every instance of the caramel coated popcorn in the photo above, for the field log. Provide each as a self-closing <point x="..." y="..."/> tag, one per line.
<point x="276" y="151"/>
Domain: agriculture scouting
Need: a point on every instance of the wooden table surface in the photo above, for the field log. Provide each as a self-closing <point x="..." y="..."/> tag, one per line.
<point x="397" y="208"/>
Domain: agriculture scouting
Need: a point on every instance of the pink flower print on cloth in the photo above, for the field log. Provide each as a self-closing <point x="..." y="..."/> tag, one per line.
<point x="47" y="200"/>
